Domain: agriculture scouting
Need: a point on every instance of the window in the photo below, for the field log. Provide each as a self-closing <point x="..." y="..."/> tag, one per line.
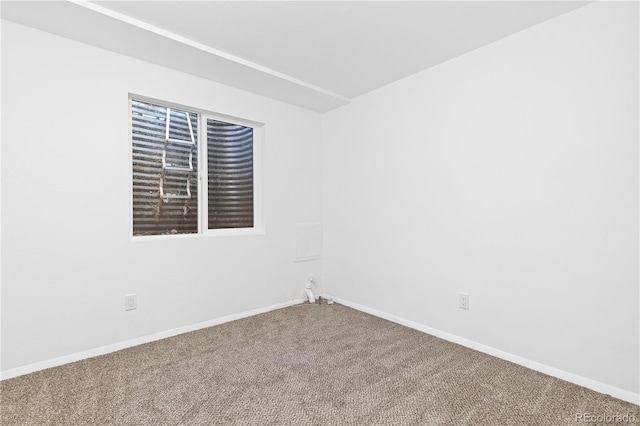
<point x="184" y="186"/>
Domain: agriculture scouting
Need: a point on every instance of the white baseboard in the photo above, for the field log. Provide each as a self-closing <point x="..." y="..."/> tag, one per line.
<point x="66" y="359"/>
<point x="551" y="371"/>
<point x="604" y="388"/>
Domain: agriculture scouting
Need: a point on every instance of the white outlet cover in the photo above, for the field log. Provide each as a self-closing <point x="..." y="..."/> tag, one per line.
<point x="130" y="302"/>
<point x="463" y="300"/>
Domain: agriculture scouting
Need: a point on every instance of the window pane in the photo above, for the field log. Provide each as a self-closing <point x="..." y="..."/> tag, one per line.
<point x="165" y="185"/>
<point x="230" y="175"/>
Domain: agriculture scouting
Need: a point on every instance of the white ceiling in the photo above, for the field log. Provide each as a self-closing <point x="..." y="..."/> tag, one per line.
<point x="316" y="54"/>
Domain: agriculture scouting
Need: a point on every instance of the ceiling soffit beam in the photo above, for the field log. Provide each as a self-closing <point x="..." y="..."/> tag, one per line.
<point x="96" y="25"/>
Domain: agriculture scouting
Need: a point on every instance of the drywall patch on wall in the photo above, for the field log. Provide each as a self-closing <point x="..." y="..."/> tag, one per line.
<point x="308" y="242"/>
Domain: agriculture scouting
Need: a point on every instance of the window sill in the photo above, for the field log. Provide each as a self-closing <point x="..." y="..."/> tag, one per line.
<point x="228" y="232"/>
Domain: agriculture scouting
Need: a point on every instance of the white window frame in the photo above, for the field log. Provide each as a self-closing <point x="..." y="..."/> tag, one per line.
<point x="203" y="199"/>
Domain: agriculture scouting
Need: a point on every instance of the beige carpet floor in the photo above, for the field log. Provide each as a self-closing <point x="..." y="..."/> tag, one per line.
<point x="302" y="365"/>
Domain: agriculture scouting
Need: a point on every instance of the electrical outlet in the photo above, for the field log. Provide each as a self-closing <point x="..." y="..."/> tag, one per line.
<point x="130" y="302"/>
<point x="464" y="300"/>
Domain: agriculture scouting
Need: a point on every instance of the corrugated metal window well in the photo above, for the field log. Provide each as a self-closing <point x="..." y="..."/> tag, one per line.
<point x="166" y="161"/>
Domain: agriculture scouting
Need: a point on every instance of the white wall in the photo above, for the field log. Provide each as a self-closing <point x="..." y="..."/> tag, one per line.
<point x="67" y="255"/>
<point x="510" y="173"/>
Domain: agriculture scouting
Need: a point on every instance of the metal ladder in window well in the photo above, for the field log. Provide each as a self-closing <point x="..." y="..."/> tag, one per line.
<point x="183" y="168"/>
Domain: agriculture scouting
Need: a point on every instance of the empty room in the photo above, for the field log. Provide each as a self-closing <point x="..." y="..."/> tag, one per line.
<point x="320" y="213"/>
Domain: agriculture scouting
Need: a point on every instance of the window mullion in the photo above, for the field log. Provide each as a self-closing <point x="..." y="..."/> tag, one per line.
<point x="202" y="174"/>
